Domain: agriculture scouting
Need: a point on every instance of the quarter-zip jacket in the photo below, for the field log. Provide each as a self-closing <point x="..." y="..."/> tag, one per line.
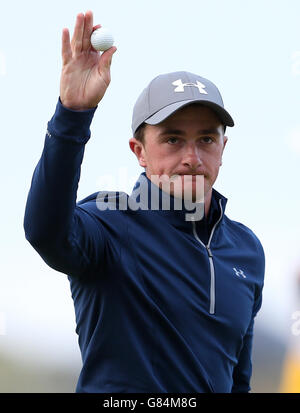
<point x="162" y="304"/>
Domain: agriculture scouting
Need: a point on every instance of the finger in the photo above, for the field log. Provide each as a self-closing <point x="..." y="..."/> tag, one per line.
<point x="106" y="59"/>
<point x="88" y="29"/>
<point x="95" y="28"/>
<point x="76" y="42"/>
<point x="66" y="51"/>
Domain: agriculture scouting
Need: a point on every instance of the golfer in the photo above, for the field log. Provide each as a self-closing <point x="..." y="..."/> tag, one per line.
<point x="165" y="295"/>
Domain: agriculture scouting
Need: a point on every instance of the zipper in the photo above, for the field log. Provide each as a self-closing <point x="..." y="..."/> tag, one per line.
<point x="212" y="304"/>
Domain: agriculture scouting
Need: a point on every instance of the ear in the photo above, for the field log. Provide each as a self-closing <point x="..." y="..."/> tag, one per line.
<point x="138" y="149"/>
<point x="225" y="139"/>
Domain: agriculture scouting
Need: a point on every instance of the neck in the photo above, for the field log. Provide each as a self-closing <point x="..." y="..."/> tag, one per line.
<point x="207" y="197"/>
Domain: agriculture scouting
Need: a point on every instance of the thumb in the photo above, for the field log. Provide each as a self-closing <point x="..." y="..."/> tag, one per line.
<point x="106" y="58"/>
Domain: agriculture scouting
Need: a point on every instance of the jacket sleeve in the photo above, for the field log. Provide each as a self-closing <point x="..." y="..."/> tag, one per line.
<point x="243" y="370"/>
<point x="68" y="238"/>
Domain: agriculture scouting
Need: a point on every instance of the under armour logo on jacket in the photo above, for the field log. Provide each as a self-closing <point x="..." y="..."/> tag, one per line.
<point x="180" y="86"/>
<point x="239" y="273"/>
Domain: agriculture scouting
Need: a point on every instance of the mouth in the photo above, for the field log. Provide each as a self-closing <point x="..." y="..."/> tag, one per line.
<point x="187" y="174"/>
<point x="195" y="179"/>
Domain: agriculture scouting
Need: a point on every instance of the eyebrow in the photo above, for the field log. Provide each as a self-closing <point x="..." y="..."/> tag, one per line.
<point x="170" y="131"/>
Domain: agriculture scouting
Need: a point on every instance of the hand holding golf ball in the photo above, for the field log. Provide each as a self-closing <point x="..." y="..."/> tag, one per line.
<point x="102" y="39"/>
<point x="85" y="74"/>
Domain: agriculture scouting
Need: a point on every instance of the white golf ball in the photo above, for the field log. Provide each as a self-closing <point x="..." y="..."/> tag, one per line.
<point x="102" y="39"/>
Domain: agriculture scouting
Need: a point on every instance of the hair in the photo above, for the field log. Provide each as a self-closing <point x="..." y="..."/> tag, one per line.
<point x="139" y="134"/>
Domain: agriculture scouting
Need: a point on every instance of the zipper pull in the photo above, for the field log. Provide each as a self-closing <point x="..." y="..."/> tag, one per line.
<point x="209" y="251"/>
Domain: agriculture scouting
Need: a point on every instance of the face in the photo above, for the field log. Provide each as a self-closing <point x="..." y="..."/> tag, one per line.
<point x="189" y="142"/>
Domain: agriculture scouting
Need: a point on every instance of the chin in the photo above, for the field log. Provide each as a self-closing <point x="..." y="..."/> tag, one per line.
<point x="194" y="191"/>
<point x="189" y="193"/>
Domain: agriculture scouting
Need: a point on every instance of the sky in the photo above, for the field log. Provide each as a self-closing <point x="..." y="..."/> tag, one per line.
<point x="250" y="50"/>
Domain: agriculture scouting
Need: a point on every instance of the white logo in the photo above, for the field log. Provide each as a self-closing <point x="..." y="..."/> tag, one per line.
<point x="239" y="273"/>
<point x="180" y="86"/>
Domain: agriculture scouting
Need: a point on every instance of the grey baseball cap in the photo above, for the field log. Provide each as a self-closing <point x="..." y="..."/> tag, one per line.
<point x="169" y="92"/>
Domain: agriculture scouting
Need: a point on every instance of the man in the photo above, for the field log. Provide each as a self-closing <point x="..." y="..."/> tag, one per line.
<point x="165" y="299"/>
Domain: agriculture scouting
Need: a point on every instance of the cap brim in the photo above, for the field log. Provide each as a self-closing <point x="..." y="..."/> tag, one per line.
<point x="167" y="111"/>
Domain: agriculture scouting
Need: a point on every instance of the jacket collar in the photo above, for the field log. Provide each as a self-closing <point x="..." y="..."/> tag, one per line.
<point x="148" y="196"/>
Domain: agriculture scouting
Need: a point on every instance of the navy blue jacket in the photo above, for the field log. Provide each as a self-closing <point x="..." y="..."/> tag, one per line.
<point x="162" y="304"/>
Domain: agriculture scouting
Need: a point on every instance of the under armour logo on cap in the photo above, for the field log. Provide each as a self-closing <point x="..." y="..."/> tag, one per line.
<point x="180" y="86"/>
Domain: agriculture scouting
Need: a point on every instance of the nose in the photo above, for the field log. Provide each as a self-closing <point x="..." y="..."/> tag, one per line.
<point x="192" y="157"/>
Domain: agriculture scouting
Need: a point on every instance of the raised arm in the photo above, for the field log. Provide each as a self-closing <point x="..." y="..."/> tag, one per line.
<point x="68" y="238"/>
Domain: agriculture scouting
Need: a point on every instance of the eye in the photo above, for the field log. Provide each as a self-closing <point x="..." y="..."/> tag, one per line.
<point x="207" y="139"/>
<point x="171" y="140"/>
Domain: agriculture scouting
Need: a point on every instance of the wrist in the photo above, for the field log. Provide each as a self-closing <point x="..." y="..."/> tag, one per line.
<point x="76" y="108"/>
<point x="71" y="124"/>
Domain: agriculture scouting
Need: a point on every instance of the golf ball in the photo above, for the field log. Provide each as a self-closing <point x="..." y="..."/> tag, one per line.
<point x="102" y="39"/>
